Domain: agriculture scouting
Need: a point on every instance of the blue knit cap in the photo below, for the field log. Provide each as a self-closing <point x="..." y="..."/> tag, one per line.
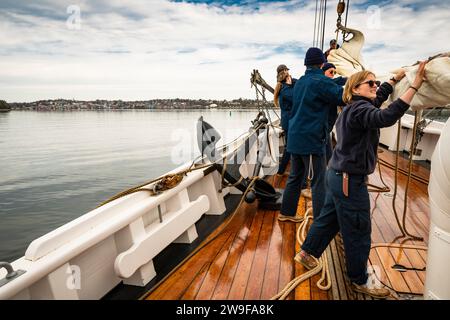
<point x="327" y="66"/>
<point x="314" y="56"/>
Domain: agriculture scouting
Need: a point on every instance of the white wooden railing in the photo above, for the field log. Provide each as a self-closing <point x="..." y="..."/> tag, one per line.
<point x="388" y="137"/>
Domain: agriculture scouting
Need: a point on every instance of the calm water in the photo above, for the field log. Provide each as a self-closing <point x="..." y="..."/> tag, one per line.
<point x="56" y="166"/>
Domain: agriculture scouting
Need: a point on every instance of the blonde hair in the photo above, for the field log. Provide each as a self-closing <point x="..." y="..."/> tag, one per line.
<point x="353" y="82"/>
<point x="280" y="78"/>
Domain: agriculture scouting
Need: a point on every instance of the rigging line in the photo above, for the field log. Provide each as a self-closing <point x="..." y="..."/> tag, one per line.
<point x="324" y="23"/>
<point x="414" y="143"/>
<point x="346" y="13"/>
<point x="397" y="147"/>
<point x="319" y="24"/>
<point x="315" y="24"/>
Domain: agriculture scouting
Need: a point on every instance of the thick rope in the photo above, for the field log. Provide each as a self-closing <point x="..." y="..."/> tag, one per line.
<point x="402" y="224"/>
<point x="414" y="143"/>
<point x="324" y="283"/>
<point x="375" y="188"/>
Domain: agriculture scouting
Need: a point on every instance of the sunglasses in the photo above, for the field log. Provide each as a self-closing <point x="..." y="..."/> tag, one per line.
<point x="333" y="72"/>
<point x="371" y="83"/>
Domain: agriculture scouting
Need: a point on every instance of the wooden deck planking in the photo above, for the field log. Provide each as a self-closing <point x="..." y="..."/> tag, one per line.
<point x="256" y="278"/>
<point x="404" y="257"/>
<point x="413" y="225"/>
<point x="240" y="280"/>
<point x="228" y="272"/>
<point x="272" y="271"/>
<point x="287" y="269"/>
<point x="340" y="275"/>
<point x="192" y="289"/>
<point x="402" y="281"/>
<point x="214" y="271"/>
<point x="416" y="204"/>
<point x="175" y="286"/>
<point x="385" y="203"/>
<point x="397" y="279"/>
<point x="333" y="293"/>
<point x="374" y="260"/>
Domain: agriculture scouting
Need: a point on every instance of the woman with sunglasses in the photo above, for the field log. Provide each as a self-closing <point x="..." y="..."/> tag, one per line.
<point x="347" y="204"/>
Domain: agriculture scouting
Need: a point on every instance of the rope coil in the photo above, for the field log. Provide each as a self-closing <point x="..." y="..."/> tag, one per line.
<point x="324" y="283"/>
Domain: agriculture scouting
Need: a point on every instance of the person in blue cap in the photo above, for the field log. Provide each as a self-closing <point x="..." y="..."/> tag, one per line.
<point x="314" y="95"/>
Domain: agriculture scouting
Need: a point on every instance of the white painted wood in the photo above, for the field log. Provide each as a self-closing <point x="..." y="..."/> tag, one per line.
<point x="96" y="269"/>
<point x="437" y="283"/>
<point x="188" y="236"/>
<point x="234" y="190"/>
<point x="159" y="236"/>
<point x="142" y="276"/>
<point x="209" y="186"/>
<point x="22" y="295"/>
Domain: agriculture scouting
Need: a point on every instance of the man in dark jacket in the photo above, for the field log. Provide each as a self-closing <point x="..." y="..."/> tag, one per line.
<point x="314" y="95"/>
<point x="329" y="70"/>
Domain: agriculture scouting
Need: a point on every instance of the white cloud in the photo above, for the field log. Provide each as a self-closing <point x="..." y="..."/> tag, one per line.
<point x="161" y="49"/>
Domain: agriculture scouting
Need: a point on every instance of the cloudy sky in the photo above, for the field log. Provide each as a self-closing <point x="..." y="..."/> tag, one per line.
<point x="138" y="50"/>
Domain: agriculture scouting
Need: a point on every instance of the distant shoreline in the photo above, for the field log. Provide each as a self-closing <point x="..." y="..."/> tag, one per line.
<point x="157" y="104"/>
<point x="127" y="110"/>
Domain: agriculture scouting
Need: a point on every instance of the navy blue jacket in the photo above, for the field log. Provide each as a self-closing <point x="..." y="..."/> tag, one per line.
<point x="285" y="102"/>
<point x="358" y="131"/>
<point x="314" y="95"/>
<point x="332" y="114"/>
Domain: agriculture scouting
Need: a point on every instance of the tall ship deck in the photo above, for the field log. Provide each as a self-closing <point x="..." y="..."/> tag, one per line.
<point x="250" y="257"/>
<point x="209" y="229"/>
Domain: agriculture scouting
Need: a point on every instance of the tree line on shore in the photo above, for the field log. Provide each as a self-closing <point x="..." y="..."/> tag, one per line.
<point x="64" y="104"/>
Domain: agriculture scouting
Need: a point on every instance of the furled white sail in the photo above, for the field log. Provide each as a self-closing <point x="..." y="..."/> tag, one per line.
<point x="435" y="91"/>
